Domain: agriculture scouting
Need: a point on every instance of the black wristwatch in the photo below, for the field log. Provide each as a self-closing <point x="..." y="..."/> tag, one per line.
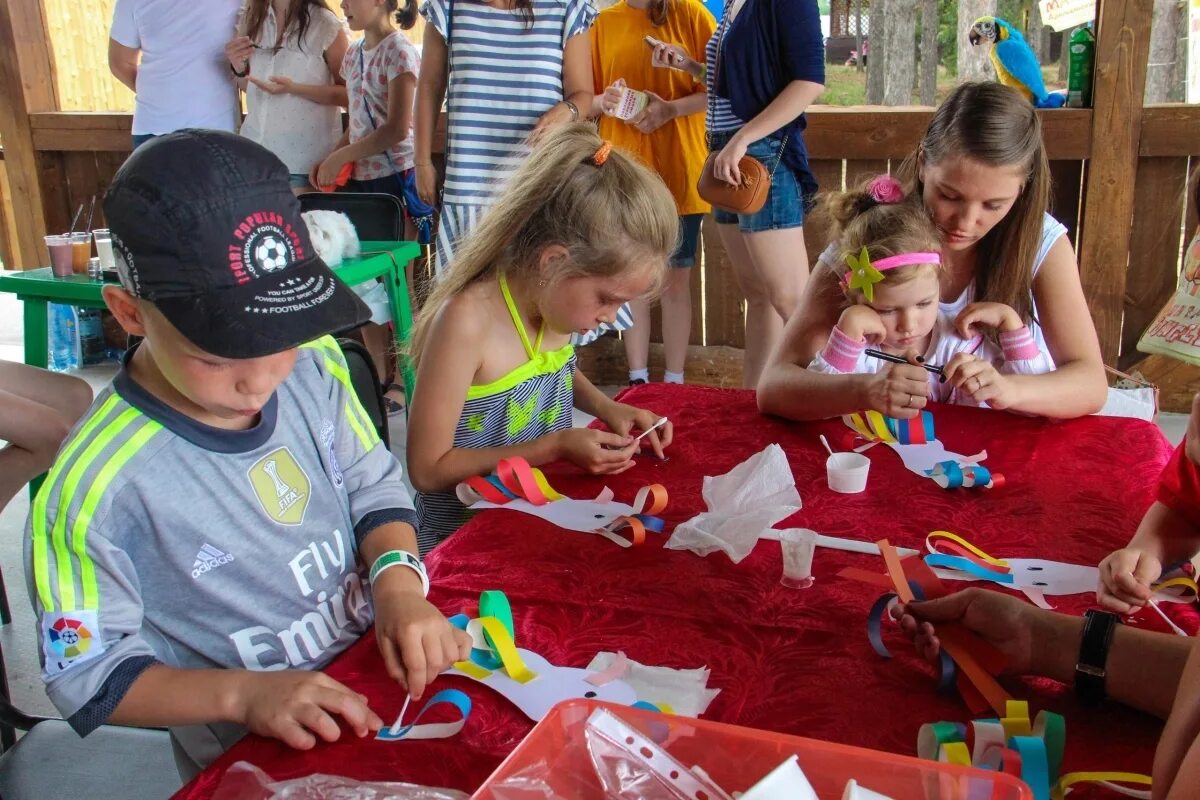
<point x="1090" y="669"/>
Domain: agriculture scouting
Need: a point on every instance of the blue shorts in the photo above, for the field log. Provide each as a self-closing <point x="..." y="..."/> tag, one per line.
<point x="140" y="139"/>
<point x="689" y="241"/>
<point x="298" y="181"/>
<point x="785" y="203"/>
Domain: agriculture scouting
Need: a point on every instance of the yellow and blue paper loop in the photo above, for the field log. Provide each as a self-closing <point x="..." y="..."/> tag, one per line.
<point x="1032" y="752"/>
<point x="875" y="427"/>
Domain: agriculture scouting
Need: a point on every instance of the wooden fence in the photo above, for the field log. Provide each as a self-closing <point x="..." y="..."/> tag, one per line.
<point x="1120" y="173"/>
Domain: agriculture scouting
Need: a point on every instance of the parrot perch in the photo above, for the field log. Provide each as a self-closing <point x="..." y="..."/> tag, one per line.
<point x="1015" y="64"/>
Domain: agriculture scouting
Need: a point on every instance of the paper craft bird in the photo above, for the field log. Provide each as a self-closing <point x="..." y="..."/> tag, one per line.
<point x="1015" y="63"/>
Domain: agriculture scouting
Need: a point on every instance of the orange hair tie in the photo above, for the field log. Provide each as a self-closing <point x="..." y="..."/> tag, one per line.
<point x="601" y="154"/>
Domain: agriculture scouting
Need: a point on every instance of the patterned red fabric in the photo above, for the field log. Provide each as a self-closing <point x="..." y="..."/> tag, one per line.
<point x="795" y="661"/>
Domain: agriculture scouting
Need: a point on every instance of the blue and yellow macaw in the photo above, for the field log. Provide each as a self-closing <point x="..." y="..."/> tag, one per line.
<point x="1015" y="63"/>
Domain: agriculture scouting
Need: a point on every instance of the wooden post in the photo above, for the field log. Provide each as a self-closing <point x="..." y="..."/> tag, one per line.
<point x="27" y="83"/>
<point x="1122" y="49"/>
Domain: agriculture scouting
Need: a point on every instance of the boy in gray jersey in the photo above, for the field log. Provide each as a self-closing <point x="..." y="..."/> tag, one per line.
<point x="199" y="551"/>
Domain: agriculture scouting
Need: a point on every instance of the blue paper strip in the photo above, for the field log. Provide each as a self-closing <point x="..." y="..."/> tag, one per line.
<point x="1035" y="770"/>
<point x="927" y="423"/>
<point x="948" y="672"/>
<point x="652" y="524"/>
<point x="451" y="697"/>
<point x="968" y="566"/>
<point x="875" y="624"/>
<point x="480" y="657"/>
<point x="494" y="481"/>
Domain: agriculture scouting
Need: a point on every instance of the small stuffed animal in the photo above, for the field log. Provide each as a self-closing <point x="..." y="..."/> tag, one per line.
<point x="333" y="236"/>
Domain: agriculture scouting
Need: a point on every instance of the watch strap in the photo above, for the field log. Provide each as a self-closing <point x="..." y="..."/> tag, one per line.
<point x="1090" y="668"/>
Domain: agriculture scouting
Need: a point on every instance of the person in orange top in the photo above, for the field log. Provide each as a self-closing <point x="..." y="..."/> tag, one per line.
<point x="667" y="135"/>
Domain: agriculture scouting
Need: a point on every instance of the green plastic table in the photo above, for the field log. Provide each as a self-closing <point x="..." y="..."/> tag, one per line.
<point x="37" y="287"/>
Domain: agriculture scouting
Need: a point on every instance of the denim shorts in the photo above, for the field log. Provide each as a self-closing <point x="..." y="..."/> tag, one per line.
<point x="785" y="205"/>
<point x="298" y="181"/>
<point x="689" y="241"/>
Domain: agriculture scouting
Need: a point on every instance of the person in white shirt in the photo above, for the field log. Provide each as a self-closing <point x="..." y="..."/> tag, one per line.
<point x="288" y="56"/>
<point x="171" y="53"/>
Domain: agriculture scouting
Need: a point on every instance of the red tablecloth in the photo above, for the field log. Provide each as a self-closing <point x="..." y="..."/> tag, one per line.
<point x="788" y="660"/>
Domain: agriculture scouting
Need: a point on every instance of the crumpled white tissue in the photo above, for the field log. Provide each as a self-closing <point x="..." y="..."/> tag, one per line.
<point x="742" y="504"/>
<point x="684" y="690"/>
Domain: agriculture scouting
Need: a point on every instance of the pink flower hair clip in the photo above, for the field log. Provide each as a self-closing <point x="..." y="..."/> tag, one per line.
<point x="886" y="190"/>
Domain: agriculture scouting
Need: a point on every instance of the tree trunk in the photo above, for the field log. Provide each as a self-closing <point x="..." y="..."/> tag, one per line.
<point x="929" y="51"/>
<point x="876" y="52"/>
<point x="973" y="62"/>
<point x="900" y="35"/>
<point x="1039" y="35"/>
<point x="856" y="11"/>
<point x="1160" y="74"/>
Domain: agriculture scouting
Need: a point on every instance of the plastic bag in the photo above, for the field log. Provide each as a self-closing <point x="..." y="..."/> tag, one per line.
<point x="244" y="781"/>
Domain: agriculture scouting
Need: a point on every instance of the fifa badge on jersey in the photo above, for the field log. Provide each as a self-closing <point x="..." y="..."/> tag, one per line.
<point x="70" y="637"/>
<point x="281" y="486"/>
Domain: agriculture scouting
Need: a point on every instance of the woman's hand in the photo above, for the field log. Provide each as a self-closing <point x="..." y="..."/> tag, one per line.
<point x="276" y="84"/>
<point x="658" y="112"/>
<point x="1008" y="624"/>
<point x="667" y="56"/>
<point x="981" y="381"/>
<point x="556" y="115"/>
<point x="861" y="322"/>
<point x="977" y="317"/>
<point x="238" y="50"/>
<point x="612" y="97"/>
<point x="328" y="170"/>
<point x="725" y="166"/>
<point x="427" y="183"/>
<point x="597" y="452"/>
<point x="899" y="390"/>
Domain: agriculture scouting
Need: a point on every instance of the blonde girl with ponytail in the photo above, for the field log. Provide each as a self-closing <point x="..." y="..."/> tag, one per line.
<point x="580" y="229"/>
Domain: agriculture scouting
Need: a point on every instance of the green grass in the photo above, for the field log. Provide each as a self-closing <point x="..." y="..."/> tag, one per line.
<point x="846" y="86"/>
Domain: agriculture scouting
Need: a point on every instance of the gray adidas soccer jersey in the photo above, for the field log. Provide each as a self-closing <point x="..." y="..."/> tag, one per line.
<point x="159" y="540"/>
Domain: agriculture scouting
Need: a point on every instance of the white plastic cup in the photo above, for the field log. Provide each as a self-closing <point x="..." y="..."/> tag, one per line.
<point x="104" y="250"/>
<point x="847" y="472"/>
<point x="798" y="545"/>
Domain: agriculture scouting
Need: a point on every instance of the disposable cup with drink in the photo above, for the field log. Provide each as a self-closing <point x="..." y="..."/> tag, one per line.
<point x="798" y="545"/>
<point x="81" y="251"/>
<point x="61" y="258"/>
<point x="104" y="248"/>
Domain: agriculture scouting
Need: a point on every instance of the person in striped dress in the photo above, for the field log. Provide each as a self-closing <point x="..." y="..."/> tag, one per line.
<point x="514" y="68"/>
<point x="581" y="230"/>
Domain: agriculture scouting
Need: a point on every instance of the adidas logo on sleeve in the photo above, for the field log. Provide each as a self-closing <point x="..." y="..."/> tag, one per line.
<point x="208" y="559"/>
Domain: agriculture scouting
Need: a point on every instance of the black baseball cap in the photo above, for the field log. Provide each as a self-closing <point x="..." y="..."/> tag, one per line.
<point x="205" y="227"/>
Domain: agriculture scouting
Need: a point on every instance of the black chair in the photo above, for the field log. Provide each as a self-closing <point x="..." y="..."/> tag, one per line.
<point x="365" y="380"/>
<point x="113" y="762"/>
<point x="376" y="217"/>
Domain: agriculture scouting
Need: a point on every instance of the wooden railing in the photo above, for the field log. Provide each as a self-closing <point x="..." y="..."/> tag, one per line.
<point x="79" y="152"/>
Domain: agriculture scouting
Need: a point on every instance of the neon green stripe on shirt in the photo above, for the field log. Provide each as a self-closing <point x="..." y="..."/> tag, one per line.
<point x="39" y="540"/>
<point x="58" y="536"/>
<point x="83" y="519"/>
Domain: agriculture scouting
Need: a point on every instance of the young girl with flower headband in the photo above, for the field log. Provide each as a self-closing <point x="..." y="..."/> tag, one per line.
<point x="580" y="229"/>
<point x="891" y="280"/>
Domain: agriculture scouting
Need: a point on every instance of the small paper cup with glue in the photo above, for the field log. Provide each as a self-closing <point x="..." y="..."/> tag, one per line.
<point x="847" y="472"/>
<point x="798" y="545"/>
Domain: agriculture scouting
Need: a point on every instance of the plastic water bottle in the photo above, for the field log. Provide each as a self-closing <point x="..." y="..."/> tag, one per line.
<point x="91" y="336"/>
<point x="1082" y="49"/>
<point x="64" y="338"/>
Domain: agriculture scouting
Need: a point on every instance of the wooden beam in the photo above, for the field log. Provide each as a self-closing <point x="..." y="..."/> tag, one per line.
<point x="1122" y="49"/>
<point x="27" y="84"/>
<point x="871" y="132"/>
<point x="1153" y="248"/>
<point x="1171" y="129"/>
<point x="82" y="131"/>
<point x="1176" y="380"/>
